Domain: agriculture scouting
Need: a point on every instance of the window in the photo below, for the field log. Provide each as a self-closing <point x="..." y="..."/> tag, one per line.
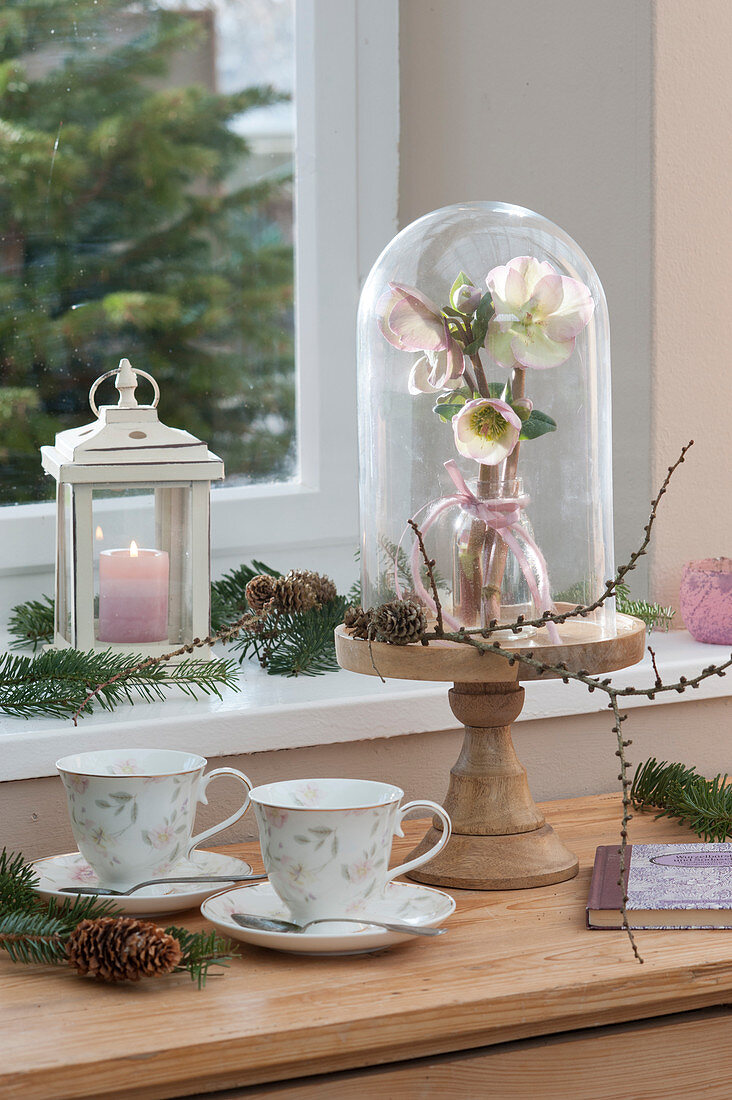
<point x="346" y="107"/>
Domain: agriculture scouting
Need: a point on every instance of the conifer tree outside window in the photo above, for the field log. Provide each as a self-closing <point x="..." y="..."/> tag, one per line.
<point x="136" y="219"/>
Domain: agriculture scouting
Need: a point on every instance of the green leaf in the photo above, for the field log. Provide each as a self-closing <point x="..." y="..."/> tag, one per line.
<point x="447" y="411"/>
<point x="539" y="423"/>
<point x="498" y="390"/>
<point x="484" y="312"/>
<point x="461" y="280"/>
<point x="101" y="802"/>
<point x="475" y="345"/>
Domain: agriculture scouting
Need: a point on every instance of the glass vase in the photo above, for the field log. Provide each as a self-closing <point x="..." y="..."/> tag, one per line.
<point x="491" y="581"/>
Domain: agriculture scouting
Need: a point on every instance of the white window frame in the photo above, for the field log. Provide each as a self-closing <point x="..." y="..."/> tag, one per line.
<point x="347" y="137"/>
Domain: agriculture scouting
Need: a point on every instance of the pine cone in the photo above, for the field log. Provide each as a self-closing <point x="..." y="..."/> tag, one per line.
<point x="116" y="949"/>
<point x="323" y="587"/>
<point x="292" y="593"/>
<point x="400" y="622"/>
<point x="259" y="591"/>
<point x="358" y="621"/>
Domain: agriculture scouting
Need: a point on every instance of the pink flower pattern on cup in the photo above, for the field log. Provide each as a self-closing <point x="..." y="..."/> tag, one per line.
<point x="125" y="767"/>
<point x="161" y="835"/>
<point x="275" y="817"/>
<point x="132" y="811"/>
<point x="326" y="842"/>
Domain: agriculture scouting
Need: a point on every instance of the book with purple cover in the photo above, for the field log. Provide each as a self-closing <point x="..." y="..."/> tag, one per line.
<point x="668" y="886"/>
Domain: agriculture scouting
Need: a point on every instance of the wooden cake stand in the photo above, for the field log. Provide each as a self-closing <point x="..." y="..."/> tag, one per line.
<point x="500" y="840"/>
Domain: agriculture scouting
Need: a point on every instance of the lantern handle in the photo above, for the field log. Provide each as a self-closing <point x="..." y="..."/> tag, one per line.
<point x="129" y="403"/>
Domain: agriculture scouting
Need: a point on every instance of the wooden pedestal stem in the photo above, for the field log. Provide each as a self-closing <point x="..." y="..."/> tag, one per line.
<point x="500" y="840"/>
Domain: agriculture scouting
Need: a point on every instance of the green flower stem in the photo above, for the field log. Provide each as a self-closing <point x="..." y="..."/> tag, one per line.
<point x="498" y="550"/>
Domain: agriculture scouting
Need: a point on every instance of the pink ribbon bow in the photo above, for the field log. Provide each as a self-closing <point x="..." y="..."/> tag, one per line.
<point x="502" y="515"/>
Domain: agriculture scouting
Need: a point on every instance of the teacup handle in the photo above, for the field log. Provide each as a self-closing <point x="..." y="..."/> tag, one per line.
<point x="205" y="780"/>
<point x="446" y="830"/>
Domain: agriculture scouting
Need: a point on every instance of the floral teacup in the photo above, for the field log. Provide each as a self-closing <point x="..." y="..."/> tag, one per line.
<point x="132" y="810"/>
<point x="326" y="842"/>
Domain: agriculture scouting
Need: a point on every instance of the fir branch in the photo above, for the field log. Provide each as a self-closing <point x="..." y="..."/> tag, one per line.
<point x="355" y="592"/>
<point x="31" y="623"/>
<point x="18" y="883"/>
<point x="33" y="937"/>
<point x="189" y="676"/>
<point x="228" y="599"/>
<point x="76" y="908"/>
<point x="67" y="682"/>
<point x="654" y="615"/>
<point x="305" y="643"/>
<point x="653" y="783"/>
<point x="677" y="791"/>
<point x="201" y="951"/>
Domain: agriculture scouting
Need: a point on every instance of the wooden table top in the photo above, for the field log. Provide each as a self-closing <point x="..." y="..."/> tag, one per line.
<point x="515" y="964"/>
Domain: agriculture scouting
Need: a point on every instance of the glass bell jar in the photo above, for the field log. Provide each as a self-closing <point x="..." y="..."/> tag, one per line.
<point x="484" y="415"/>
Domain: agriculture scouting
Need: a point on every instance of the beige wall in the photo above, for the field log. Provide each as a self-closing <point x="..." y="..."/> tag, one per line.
<point x="563" y="756"/>
<point x="692" y="384"/>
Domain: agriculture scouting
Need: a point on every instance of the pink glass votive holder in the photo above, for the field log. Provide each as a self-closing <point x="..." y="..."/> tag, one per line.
<point x="706" y="600"/>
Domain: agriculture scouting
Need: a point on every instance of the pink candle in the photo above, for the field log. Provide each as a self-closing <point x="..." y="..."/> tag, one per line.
<point x="133" y="595"/>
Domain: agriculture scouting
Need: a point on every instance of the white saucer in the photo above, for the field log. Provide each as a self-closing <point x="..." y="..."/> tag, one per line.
<point x="71" y="869"/>
<point x="408" y="902"/>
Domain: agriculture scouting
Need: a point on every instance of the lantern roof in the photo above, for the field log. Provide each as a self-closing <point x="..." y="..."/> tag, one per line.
<point x="129" y="439"/>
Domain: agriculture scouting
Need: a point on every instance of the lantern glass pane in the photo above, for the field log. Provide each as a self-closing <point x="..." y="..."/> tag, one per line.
<point x="141" y="554"/>
<point x="561" y="484"/>
<point x="64" y="578"/>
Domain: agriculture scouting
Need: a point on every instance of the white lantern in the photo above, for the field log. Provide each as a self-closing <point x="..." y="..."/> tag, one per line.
<point x="132" y="528"/>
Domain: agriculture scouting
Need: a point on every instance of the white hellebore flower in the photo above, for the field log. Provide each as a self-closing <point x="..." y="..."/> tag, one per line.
<point x="539" y="314"/>
<point x="438" y="370"/>
<point x="486" y="430"/>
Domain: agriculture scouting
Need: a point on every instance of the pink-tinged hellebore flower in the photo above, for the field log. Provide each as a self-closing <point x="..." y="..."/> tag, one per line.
<point x="539" y="314"/>
<point x="438" y="370"/>
<point x="467" y="298"/>
<point x="486" y="430"/>
<point x="410" y="321"/>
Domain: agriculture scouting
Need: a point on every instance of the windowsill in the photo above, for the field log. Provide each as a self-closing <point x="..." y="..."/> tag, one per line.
<point x="272" y="712"/>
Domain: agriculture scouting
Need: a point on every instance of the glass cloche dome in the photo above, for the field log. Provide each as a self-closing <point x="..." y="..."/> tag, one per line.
<point x="484" y="414"/>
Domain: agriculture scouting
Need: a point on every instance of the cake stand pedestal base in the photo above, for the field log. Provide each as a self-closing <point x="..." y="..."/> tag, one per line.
<point x="500" y="840"/>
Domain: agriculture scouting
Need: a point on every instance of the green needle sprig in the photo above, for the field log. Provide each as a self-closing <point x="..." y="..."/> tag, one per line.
<point x="676" y="791"/>
<point x="36" y="931"/>
<point x="60" y="683"/>
<point x="31" y="623"/>
<point x="201" y="951"/>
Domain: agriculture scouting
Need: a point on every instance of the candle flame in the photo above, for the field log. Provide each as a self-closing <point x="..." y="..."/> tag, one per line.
<point x="99" y="534"/>
<point x="133" y="549"/>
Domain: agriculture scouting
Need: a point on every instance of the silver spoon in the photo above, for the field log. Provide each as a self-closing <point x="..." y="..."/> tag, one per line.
<point x="102" y="890"/>
<point x="274" y="924"/>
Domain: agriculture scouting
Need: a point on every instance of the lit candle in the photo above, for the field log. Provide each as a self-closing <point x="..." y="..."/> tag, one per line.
<point x="133" y="595"/>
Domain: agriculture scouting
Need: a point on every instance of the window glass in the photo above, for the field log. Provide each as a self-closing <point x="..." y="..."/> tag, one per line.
<point x="146" y="153"/>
